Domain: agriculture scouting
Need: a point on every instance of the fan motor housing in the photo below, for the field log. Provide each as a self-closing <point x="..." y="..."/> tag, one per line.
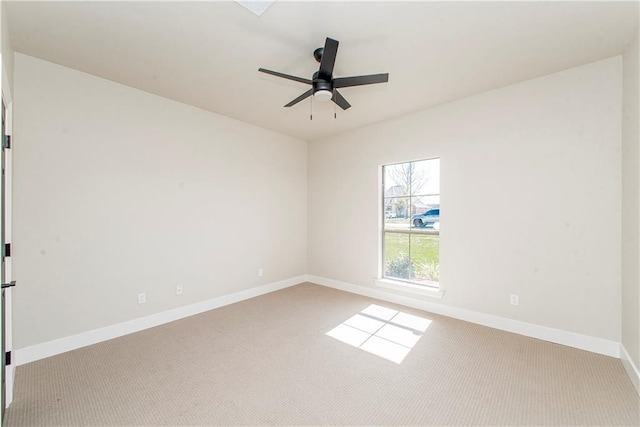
<point x="320" y="84"/>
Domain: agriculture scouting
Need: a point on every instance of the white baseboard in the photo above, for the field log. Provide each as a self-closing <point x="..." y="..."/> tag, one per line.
<point x="9" y="380"/>
<point x="51" y="348"/>
<point x="571" y="339"/>
<point x="631" y="368"/>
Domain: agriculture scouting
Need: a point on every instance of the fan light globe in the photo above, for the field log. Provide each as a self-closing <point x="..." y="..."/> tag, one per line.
<point x="323" y="95"/>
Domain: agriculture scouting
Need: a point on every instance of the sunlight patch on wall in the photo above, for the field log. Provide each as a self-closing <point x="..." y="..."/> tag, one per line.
<point x="387" y="333"/>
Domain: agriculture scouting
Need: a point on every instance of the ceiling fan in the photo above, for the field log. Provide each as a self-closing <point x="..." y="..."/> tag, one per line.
<point x="324" y="86"/>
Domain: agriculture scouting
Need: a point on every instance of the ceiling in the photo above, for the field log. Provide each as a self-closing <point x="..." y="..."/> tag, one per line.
<point x="207" y="54"/>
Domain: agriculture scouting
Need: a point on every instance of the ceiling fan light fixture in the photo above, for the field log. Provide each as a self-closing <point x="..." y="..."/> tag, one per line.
<point x="323" y="95"/>
<point x="324" y="86"/>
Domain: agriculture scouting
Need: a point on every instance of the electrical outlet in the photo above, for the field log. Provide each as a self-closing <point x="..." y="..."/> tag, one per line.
<point x="142" y="298"/>
<point x="179" y="290"/>
<point x="514" y="299"/>
<point x="260" y="272"/>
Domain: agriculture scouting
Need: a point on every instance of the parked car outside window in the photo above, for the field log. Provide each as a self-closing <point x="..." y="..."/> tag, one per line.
<point x="427" y="219"/>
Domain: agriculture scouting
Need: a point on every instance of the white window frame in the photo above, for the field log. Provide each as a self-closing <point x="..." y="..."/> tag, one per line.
<point x="432" y="289"/>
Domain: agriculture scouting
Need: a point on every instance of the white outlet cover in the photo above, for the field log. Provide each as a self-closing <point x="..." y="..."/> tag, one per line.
<point x="142" y="298"/>
<point x="514" y="300"/>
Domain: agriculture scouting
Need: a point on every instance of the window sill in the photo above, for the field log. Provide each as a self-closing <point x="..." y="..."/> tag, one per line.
<point x="397" y="285"/>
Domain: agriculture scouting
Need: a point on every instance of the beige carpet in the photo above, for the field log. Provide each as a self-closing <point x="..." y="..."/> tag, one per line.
<point x="269" y="361"/>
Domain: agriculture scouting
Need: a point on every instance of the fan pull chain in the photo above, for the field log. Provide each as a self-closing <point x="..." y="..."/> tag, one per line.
<point x="335" y="111"/>
<point x="311" y="107"/>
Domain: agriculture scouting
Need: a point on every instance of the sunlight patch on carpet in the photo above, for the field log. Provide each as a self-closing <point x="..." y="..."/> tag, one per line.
<point x="387" y="333"/>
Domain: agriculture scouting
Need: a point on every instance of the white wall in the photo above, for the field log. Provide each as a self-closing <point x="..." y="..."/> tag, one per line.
<point x="7" y="49"/>
<point x="631" y="204"/>
<point x="117" y="191"/>
<point x="530" y="183"/>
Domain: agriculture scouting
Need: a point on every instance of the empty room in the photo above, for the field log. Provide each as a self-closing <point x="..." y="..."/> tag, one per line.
<point x="320" y="213"/>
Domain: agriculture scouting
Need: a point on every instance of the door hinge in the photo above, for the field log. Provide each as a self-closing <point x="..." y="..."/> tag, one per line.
<point x="7" y="141"/>
<point x="7" y="358"/>
<point x="7" y="250"/>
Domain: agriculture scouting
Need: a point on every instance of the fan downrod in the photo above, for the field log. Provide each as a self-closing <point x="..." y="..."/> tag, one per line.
<point x="317" y="54"/>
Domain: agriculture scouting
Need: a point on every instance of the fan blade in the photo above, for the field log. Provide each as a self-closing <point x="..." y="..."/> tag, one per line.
<point x="300" y="98"/>
<point x="360" y="80"/>
<point x="339" y="100"/>
<point x="286" y="76"/>
<point x="328" y="59"/>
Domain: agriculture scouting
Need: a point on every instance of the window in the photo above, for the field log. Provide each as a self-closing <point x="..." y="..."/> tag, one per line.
<point x="411" y="222"/>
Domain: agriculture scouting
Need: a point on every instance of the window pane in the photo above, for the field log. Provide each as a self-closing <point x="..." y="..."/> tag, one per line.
<point x="397" y="214"/>
<point x="425" y="257"/>
<point x="425" y="177"/>
<point x="426" y="212"/>
<point x="397" y="263"/>
<point x="397" y="180"/>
